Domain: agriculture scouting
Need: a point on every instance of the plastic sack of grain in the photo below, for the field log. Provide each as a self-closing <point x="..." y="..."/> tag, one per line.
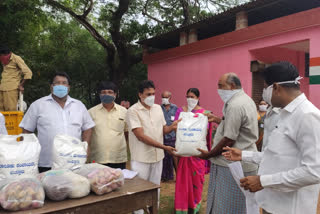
<point x="19" y="155"/>
<point x="191" y="134"/>
<point x="102" y="179"/>
<point x="62" y="184"/>
<point x="68" y="152"/>
<point x="22" y="193"/>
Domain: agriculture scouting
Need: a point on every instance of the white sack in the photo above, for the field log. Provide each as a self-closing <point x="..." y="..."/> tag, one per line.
<point x="68" y="152"/>
<point x="19" y="158"/>
<point x="191" y="134"/>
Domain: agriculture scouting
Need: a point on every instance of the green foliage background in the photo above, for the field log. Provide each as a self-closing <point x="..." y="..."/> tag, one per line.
<point x="50" y="40"/>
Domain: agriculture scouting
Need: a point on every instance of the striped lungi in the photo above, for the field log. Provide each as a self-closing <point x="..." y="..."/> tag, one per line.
<point x="224" y="195"/>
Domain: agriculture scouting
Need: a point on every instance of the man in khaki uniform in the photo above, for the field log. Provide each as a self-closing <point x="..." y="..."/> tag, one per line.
<point x="108" y="144"/>
<point x="11" y="79"/>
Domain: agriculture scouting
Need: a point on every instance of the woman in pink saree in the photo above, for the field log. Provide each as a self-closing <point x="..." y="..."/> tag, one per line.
<point x="191" y="170"/>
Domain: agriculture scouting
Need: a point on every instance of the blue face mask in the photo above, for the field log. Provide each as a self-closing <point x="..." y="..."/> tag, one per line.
<point x="60" y="90"/>
<point x="107" y="99"/>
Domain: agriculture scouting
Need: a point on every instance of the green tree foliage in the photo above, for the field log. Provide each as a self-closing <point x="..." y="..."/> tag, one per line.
<point x="92" y="40"/>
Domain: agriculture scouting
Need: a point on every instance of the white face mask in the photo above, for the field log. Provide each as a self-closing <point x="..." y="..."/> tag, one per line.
<point x="165" y="101"/>
<point x="192" y="103"/>
<point x="263" y="107"/>
<point x="267" y="94"/>
<point x="226" y="95"/>
<point x="149" y="100"/>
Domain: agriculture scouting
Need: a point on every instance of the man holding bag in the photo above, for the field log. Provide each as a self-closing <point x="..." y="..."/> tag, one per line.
<point x="146" y="129"/>
<point x="238" y="128"/>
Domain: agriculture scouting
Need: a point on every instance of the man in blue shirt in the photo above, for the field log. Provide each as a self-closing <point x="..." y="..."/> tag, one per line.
<point x="169" y="111"/>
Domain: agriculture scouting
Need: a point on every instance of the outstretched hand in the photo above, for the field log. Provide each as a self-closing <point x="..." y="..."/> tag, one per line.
<point x="212" y="118"/>
<point x="204" y="154"/>
<point x="171" y="150"/>
<point x="232" y="154"/>
<point x="174" y="125"/>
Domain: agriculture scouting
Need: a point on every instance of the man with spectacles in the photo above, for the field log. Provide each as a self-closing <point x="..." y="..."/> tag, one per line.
<point x="109" y="136"/>
<point x="55" y="114"/>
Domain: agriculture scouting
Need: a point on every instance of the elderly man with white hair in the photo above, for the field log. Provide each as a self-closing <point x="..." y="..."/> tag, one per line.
<point x="238" y="128"/>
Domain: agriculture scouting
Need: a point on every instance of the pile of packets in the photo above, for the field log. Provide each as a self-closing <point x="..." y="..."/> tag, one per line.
<point x="23" y="188"/>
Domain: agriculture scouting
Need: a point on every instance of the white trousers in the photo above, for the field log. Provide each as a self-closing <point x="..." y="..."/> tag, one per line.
<point x="150" y="172"/>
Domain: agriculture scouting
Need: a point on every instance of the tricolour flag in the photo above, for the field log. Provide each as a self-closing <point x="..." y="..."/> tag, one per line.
<point x="314" y="72"/>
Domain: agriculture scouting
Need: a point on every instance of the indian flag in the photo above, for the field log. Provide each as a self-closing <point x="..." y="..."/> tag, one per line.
<point x="314" y="72"/>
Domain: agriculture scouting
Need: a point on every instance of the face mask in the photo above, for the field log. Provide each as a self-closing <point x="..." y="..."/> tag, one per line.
<point x="149" y="100"/>
<point x="4" y="59"/>
<point x="106" y="99"/>
<point x="192" y="103"/>
<point x="267" y="94"/>
<point x="60" y="90"/>
<point x="165" y="101"/>
<point x="226" y="95"/>
<point x="263" y="107"/>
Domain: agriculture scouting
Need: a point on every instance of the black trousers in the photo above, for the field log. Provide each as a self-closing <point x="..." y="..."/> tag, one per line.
<point x="116" y="165"/>
<point x="44" y="169"/>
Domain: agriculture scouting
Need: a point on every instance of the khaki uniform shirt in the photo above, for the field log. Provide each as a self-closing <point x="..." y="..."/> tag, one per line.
<point x="108" y="143"/>
<point x="12" y="73"/>
<point x="152" y="122"/>
<point x="239" y="124"/>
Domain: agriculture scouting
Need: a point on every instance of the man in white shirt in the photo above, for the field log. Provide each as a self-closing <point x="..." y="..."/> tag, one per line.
<point x="55" y="114"/>
<point x="289" y="173"/>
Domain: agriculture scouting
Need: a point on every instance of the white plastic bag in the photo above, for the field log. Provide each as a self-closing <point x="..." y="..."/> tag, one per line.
<point x="191" y="134"/>
<point x="19" y="158"/>
<point x="102" y="179"/>
<point x="62" y="184"/>
<point x="22" y="193"/>
<point x="68" y="152"/>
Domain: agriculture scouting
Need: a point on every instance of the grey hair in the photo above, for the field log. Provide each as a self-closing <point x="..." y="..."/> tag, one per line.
<point x="167" y="92"/>
<point x="233" y="78"/>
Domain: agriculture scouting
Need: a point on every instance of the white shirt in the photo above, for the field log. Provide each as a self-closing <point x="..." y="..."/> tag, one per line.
<point x="3" y="129"/>
<point x="47" y="116"/>
<point x="290" y="164"/>
<point x="270" y="123"/>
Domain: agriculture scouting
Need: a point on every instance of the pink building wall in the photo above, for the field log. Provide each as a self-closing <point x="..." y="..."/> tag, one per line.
<point x="202" y="70"/>
<point x="273" y="54"/>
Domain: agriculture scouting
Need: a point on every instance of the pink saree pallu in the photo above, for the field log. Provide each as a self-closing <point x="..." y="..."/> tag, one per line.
<point x="190" y="177"/>
<point x="189" y="185"/>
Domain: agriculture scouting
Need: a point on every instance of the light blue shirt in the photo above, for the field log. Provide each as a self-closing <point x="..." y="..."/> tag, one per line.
<point x="169" y="117"/>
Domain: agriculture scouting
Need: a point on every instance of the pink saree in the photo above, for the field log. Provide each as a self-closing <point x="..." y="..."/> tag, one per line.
<point x="190" y="178"/>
